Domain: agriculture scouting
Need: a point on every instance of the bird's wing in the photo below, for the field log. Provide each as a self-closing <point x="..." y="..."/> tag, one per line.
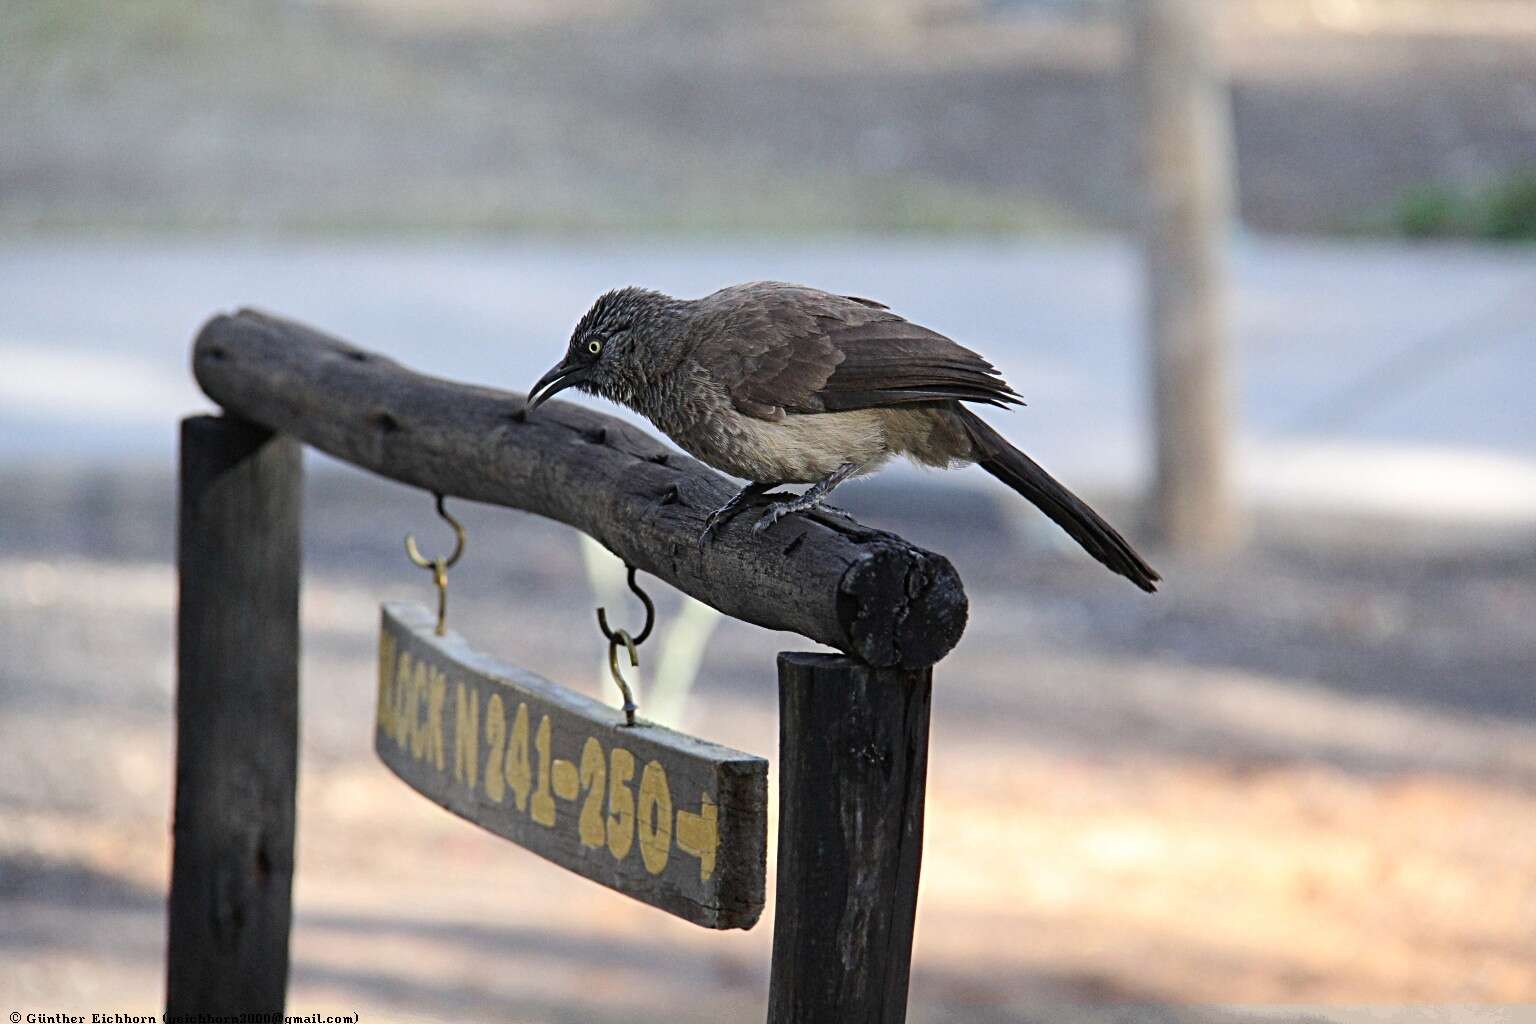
<point x="779" y="349"/>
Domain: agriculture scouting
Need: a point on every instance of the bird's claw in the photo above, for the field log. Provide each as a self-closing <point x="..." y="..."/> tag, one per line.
<point x="718" y="518"/>
<point x="770" y="515"/>
<point x="774" y="513"/>
<point x="711" y="527"/>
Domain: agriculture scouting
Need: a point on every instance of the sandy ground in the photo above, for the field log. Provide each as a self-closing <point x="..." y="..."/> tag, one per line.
<point x="1294" y="785"/>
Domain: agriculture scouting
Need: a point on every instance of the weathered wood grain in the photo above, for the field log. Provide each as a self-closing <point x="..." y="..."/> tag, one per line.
<point x="862" y="591"/>
<point x="853" y="760"/>
<point x="671" y="820"/>
<point x="236" y="719"/>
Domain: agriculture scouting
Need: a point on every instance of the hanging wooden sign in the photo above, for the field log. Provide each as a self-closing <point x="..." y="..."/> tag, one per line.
<point x="674" y="821"/>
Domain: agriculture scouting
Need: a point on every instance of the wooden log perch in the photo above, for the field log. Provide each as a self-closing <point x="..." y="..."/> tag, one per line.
<point x="865" y="592"/>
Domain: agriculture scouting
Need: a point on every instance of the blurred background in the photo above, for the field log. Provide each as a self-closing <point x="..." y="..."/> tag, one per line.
<point x="1262" y="269"/>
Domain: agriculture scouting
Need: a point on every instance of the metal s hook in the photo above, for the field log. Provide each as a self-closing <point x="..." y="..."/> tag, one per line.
<point x="650" y="612"/>
<point x="622" y="637"/>
<point x="616" y="638"/>
<point x="439" y="566"/>
<point x="458" y="537"/>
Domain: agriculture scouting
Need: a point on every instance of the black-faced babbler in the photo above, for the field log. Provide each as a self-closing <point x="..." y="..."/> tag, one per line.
<point x="781" y="384"/>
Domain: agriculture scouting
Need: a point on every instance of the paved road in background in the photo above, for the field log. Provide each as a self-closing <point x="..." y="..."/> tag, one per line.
<point x="1411" y="363"/>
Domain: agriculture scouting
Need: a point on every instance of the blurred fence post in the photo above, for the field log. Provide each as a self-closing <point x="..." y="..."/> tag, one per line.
<point x="1184" y="122"/>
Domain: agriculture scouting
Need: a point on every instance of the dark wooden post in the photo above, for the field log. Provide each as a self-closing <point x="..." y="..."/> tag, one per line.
<point x="853" y="760"/>
<point x="236" y="718"/>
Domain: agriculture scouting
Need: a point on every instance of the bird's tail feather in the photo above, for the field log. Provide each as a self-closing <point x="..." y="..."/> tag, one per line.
<point x="1065" y="509"/>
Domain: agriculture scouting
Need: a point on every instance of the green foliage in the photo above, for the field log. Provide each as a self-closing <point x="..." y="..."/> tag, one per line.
<point x="1429" y="212"/>
<point x="1511" y="211"/>
<point x="1505" y="212"/>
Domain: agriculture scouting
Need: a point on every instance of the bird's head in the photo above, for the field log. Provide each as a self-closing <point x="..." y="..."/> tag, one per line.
<point x="606" y="347"/>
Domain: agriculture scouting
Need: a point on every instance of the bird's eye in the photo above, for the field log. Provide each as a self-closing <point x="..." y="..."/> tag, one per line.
<point x="594" y="346"/>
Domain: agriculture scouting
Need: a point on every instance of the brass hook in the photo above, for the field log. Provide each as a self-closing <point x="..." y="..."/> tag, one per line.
<point x="645" y="599"/>
<point x="439" y="566"/>
<point x="617" y="637"/>
<point x="622" y="637"/>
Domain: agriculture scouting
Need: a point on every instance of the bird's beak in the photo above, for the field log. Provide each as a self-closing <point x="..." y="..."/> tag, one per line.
<point x="556" y="380"/>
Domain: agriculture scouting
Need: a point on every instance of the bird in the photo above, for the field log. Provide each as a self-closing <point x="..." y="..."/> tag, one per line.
<point x="777" y="383"/>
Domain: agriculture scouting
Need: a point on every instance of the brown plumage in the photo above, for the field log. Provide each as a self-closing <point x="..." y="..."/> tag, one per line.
<point x="778" y="383"/>
<point x="799" y="350"/>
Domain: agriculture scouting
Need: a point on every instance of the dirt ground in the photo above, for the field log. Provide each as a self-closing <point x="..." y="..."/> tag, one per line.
<point x="1298" y="785"/>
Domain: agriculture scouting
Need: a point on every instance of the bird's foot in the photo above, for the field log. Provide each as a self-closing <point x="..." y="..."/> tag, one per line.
<point x="725" y="513"/>
<point x="835" y="512"/>
<point x="813" y="499"/>
<point x="804" y="503"/>
<point x="771" y="515"/>
<point x="718" y="518"/>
